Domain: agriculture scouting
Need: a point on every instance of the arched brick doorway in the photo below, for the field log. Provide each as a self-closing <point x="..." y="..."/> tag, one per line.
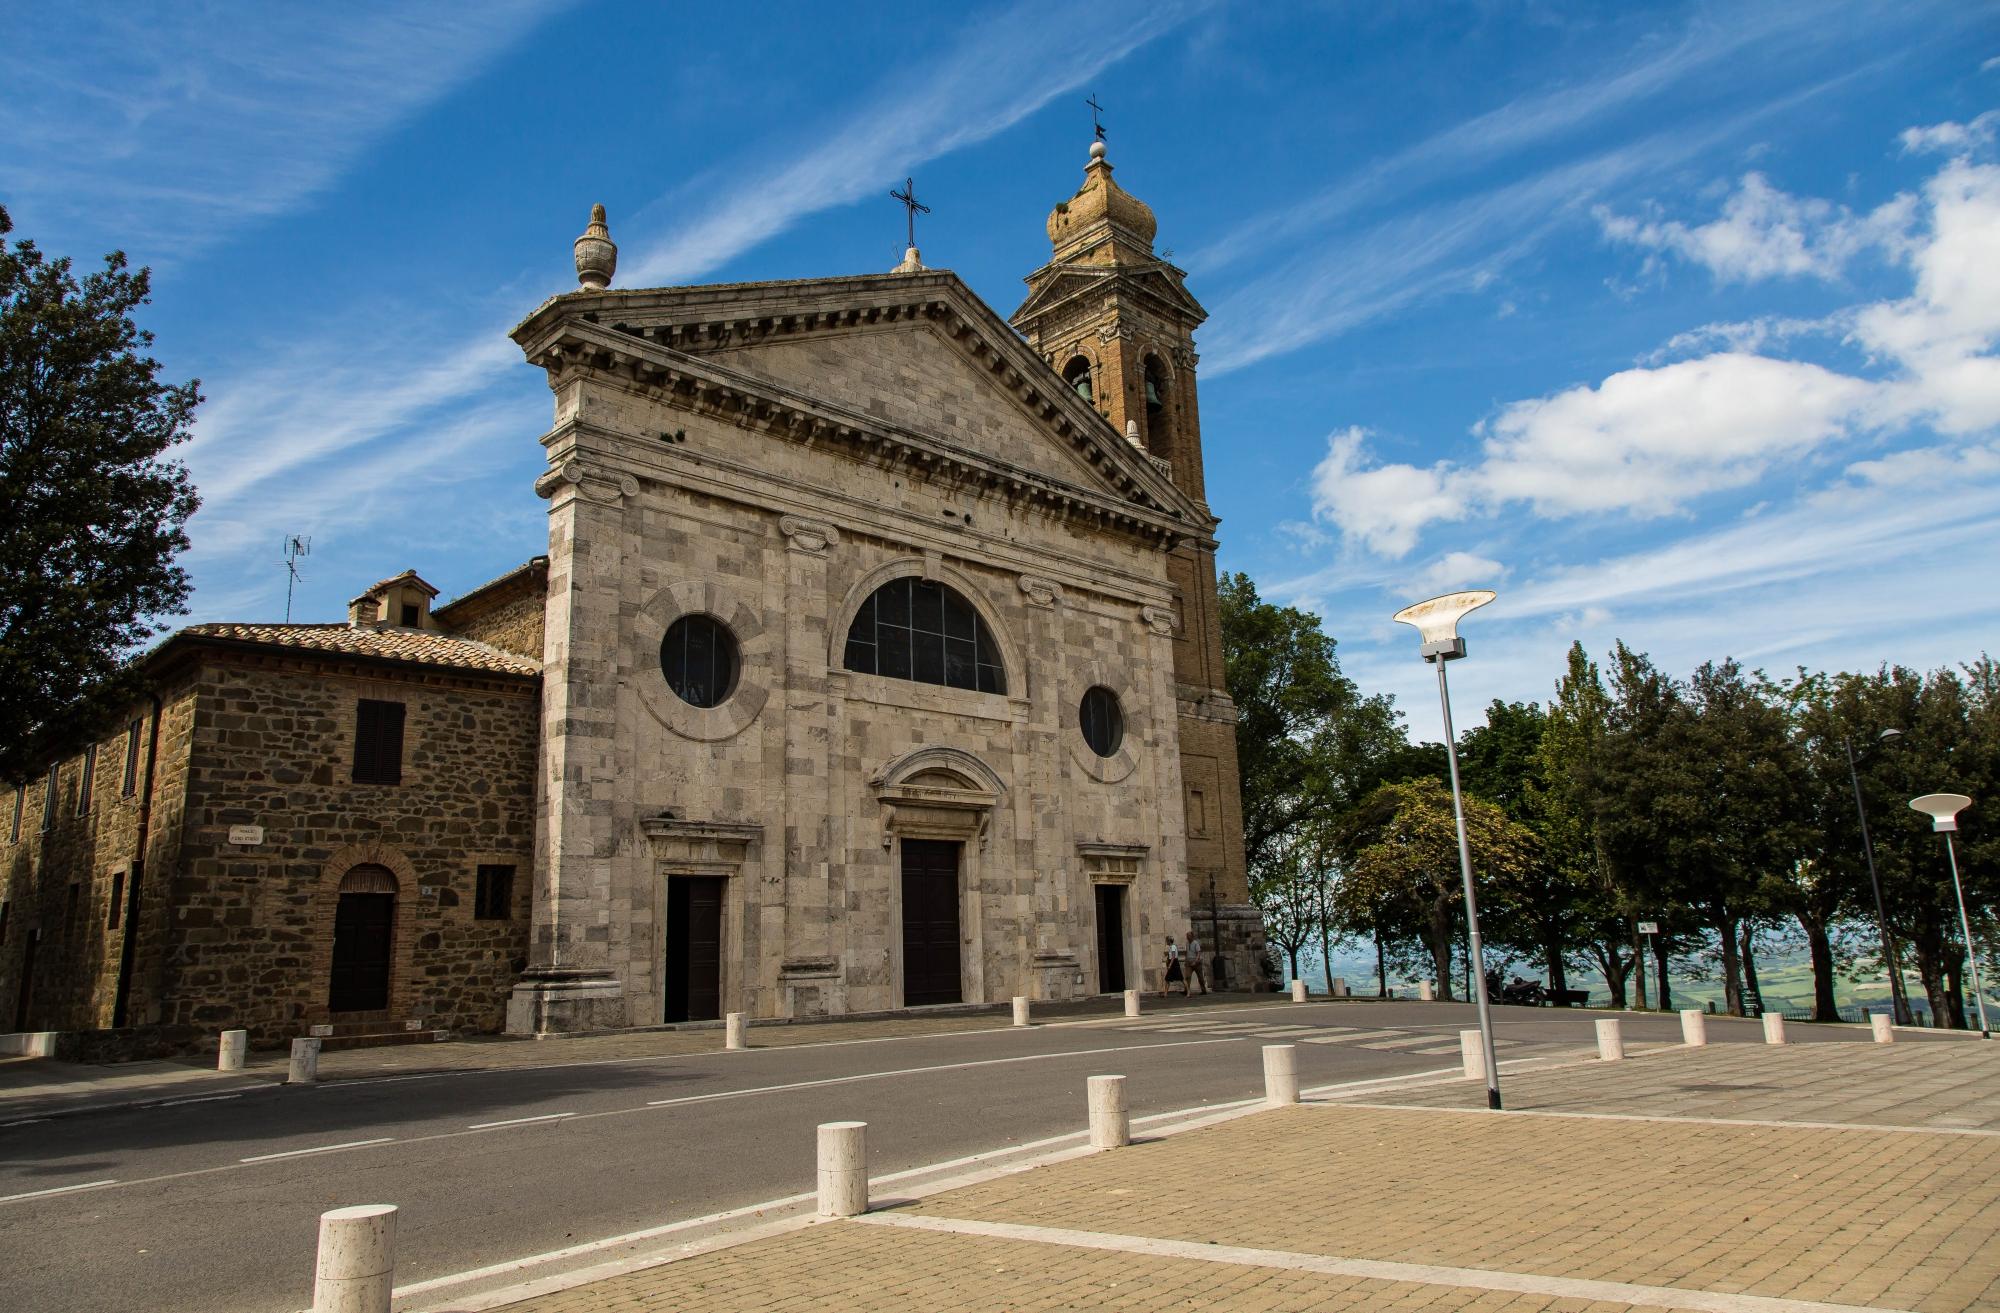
<point x="364" y="924"/>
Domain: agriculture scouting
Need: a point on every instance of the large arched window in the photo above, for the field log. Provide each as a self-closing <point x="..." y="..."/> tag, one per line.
<point x="923" y="630"/>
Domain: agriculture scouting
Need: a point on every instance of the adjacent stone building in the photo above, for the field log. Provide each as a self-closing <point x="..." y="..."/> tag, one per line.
<point x="874" y="663"/>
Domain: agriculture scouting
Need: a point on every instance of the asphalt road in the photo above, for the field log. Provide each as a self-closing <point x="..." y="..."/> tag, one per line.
<point x="211" y="1206"/>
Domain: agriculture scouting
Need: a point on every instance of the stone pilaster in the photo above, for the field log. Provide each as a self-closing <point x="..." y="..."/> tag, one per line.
<point x="569" y="983"/>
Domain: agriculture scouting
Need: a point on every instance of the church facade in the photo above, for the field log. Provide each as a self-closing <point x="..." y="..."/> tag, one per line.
<point x="874" y="663"/>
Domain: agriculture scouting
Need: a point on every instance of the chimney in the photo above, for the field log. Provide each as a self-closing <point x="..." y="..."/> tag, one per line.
<point x="365" y="612"/>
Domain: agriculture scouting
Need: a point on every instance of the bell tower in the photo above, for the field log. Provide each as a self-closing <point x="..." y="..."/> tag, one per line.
<point x="1117" y="323"/>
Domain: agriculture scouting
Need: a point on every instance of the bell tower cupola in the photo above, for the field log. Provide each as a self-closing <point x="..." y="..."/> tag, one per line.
<point x="1116" y="321"/>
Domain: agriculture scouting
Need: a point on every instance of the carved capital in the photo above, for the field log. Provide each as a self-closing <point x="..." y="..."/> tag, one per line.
<point x="599" y="485"/>
<point x="1160" y="619"/>
<point x="808" y="536"/>
<point x="1041" y="592"/>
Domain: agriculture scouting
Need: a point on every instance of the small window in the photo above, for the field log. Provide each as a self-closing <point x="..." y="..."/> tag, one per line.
<point x="89" y="777"/>
<point x="409" y="615"/>
<point x="132" y="732"/>
<point x="69" y="910"/>
<point x="378" y="742"/>
<point x="49" y="801"/>
<point x="117" y="900"/>
<point x="495" y="898"/>
<point x="1077" y="375"/>
<point x="1102" y="721"/>
<point x="3" y="921"/>
<point x="20" y="805"/>
<point x="698" y="657"/>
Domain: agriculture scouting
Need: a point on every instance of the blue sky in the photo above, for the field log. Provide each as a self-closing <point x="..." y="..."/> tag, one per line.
<point x="1671" y="322"/>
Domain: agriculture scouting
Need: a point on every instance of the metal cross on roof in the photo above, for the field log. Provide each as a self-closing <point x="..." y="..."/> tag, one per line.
<point x="1095" y="111"/>
<point x="908" y="196"/>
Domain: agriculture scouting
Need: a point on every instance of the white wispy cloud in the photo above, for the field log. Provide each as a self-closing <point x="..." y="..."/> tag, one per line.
<point x="1764" y="232"/>
<point x="322" y="403"/>
<point x="1648" y="441"/>
<point x="170" y="126"/>
<point x="1952" y="138"/>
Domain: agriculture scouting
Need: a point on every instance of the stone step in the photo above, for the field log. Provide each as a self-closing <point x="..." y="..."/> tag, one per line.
<point x="377" y="1039"/>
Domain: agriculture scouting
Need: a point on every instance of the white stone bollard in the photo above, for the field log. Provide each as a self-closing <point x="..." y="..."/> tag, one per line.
<point x="229" y="1054"/>
<point x="733" y="1028"/>
<point x="1020" y="1009"/>
<point x="1472" y="1053"/>
<point x="843" y="1169"/>
<point x="1884" y="1027"/>
<point x="1425" y="992"/>
<point x="305" y="1062"/>
<point x="1610" y="1040"/>
<point x="1340" y="986"/>
<point x="1110" y="1125"/>
<point x="1298" y="991"/>
<point x="356" y="1270"/>
<point x="1281" y="1074"/>
<point x="1694" y="1028"/>
<point x="1131" y="1002"/>
<point x="1774" y="1028"/>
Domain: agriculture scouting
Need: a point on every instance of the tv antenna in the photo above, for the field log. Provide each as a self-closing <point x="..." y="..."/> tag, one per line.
<point x="295" y="547"/>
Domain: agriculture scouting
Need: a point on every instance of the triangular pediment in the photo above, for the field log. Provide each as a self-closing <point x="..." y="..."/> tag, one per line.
<point x="906" y="357"/>
<point x="1053" y="286"/>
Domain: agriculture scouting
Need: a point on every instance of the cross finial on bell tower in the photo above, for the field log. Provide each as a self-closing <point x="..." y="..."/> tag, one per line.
<point x="1096" y="115"/>
<point x="912" y="261"/>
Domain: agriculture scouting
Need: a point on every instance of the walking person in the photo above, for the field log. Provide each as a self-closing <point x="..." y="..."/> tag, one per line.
<point x="1174" y="974"/>
<point x="1196" y="970"/>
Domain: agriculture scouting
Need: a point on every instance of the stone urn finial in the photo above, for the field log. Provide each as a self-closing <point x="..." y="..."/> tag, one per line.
<point x="596" y="253"/>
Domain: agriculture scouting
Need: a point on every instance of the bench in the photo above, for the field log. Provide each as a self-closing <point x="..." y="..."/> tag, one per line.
<point x="1569" y="998"/>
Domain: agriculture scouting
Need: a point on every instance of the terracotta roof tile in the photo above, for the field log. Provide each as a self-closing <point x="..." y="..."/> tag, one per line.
<point x="416" y="646"/>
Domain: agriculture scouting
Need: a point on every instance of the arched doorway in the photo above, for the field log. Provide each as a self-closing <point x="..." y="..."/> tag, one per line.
<point x="363" y="930"/>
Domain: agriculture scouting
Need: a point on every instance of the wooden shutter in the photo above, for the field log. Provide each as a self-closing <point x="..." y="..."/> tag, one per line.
<point x="378" y="742"/>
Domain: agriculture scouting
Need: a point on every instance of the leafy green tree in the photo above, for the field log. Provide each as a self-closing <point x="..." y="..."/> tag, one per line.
<point x="1401" y="854"/>
<point x="1571" y="760"/>
<point x="93" y="515"/>
<point x="1308" y="743"/>
<point x="1699" y="798"/>
<point x="1542" y="910"/>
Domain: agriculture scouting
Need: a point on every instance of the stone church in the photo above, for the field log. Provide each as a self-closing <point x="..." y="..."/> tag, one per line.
<point x="874" y="663"/>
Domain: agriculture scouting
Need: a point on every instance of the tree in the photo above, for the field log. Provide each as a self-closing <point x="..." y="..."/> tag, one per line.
<point x="1308" y="743"/>
<point x="1540" y="910"/>
<point x="93" y="516"/>
<point x="1571" y="762"/>
<point x="1401" y="853"/>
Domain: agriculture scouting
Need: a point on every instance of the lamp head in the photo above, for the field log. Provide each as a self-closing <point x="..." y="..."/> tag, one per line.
<point x="1942" y="808"/>
<point x="1888" y="734"/>
<point x="1437" y="621"/>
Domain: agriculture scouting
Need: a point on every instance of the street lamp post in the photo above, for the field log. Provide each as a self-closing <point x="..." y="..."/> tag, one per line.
<point x="1436" y="622"/>
<point x="1898" y="1004"/>
<point x="1943" y="809"/>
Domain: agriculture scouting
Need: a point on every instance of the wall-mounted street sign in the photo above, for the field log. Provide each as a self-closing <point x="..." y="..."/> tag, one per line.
<point x="248" y="836"/>
<point x="1649" y="927"/>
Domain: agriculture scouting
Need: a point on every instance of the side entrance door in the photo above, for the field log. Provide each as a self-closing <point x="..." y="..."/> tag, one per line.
<point x="1110" y="938"/>
<point x="694" y="948"/>
<point x="362" y="924"/>
<point x="930" y="922"/>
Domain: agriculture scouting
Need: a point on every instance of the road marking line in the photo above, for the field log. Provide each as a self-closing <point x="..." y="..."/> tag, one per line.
<point x="324" y="1148"/>
<point x="1355" y="1036"/>
<point x="917" y="1071"/>
<point x="1275" y="1031"/>
<point x="520" y="1121"/>
<point x="206" y="1098"/>
<point x="1525" y="1283"/>
<point x="60" y="1189"/>
<point x="25" y="1121"/>
<point x="1407" y="1042"/>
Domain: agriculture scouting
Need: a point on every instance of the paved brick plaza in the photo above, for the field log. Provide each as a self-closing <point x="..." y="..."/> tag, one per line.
<point x="1743" y="1179"/>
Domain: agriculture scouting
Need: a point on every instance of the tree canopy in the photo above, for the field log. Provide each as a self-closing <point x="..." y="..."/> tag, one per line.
<point x="94" y="516"/>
